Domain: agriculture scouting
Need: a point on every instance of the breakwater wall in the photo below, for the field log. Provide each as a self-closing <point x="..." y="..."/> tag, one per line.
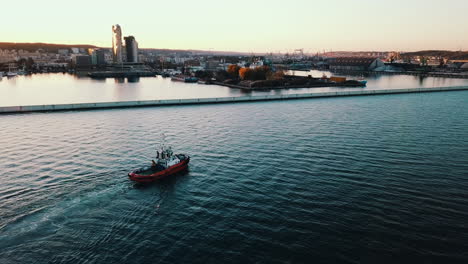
<point x="257" y="98"/>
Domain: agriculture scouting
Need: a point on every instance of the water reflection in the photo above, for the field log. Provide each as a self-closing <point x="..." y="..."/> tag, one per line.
<point x="99" y="80"/>
<point x="54" y="88"/>
<point x="421" y="80"/>
<point x="119" y="80"/>
<point x="80" y="75"/>
<point x="133" y="79"/>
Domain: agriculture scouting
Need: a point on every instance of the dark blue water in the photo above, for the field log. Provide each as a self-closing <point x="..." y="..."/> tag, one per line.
<point x="379" y="179"/>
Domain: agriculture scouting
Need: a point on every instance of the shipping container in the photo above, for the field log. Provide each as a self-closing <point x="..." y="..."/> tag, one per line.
<point x="338" y="79"/>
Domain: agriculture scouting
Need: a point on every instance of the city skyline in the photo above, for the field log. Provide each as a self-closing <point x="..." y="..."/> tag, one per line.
<point x="261" y="26"/>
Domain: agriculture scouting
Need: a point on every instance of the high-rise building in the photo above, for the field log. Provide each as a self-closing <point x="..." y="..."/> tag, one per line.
<point x="97" y="56"/>
<point x="131" y="45"/>
<point x="81" y="61"/>
<point x="117" y="43"/>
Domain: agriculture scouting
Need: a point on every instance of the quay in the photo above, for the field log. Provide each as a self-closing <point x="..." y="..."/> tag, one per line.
<point x="257" y="98"/>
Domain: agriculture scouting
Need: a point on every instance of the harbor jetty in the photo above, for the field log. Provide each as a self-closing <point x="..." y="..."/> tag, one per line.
<point x="257" y="98"/>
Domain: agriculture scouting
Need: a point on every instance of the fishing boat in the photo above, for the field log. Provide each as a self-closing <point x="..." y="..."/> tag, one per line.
<point x="11" y="71"/>
<point x="167" y="163"/>
<point x="362" y="80"/>
<point x="12" y="74"/>
<point x="191" y="79"/>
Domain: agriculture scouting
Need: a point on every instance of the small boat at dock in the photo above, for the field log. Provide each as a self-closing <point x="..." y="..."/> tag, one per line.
<point x="11" y="74"/>
<point x="361" y="80"/>
<point x="11" y="71"/>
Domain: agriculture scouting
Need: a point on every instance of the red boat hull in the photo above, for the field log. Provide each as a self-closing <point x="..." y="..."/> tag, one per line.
<point x="160" y="174"/>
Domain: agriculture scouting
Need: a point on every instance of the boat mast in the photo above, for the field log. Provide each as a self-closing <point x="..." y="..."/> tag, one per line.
<point x="160" y="154"/>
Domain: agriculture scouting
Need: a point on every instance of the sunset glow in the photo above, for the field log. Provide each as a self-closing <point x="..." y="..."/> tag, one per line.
<point x="251" y="26"/>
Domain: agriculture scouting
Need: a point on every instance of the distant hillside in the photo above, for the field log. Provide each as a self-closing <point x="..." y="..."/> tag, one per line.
<point x="55" y="47"/>
<point x="202" y="52"/>
<point x="453" y="55"/>
<point x="44" y="46"/>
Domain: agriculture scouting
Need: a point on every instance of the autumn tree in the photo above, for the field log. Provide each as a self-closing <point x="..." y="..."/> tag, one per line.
<point x="233" y="71"/>
<point x="278" y="75"/>
<point x="259" y="73"/>
<point x="245" y="73"/>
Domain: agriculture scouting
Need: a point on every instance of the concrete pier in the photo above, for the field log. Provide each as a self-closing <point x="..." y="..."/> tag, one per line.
<point x="104" y="105"/>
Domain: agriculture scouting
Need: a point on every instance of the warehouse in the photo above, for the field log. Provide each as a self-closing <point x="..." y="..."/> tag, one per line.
<point x="355" y="64"/>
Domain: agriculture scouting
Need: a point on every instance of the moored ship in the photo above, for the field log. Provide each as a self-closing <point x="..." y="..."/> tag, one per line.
<point x="11" y="71"/>
<point x="183" y="78"/>
<point x="167" y="163"/>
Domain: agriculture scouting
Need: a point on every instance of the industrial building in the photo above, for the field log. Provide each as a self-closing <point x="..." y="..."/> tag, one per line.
<point x="355" y="64"/>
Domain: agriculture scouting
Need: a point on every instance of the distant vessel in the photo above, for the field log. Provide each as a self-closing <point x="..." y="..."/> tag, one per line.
<point x="166" y="164"/>
<point x="183" y="78"/>
<point x="22" y="71"/>
<point x="178" y="79"/>
<point x="11" y="73"/>
<point x="342" y="80"/>
<point x="191" y="79"/>
<point x="361" y="80"/>
<point x="207" y="81"/>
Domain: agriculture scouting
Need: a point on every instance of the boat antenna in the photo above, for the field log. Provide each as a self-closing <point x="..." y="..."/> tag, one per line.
<point x="163" y="136"/>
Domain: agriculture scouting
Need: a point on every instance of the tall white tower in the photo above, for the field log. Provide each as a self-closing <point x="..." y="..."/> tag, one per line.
<point x="117" y="43"/>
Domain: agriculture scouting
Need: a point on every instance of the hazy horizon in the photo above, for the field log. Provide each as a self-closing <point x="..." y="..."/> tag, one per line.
<point x="243" y="26"/>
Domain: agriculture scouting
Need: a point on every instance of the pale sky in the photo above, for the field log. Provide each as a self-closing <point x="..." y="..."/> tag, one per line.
<point x="243" y="25"/>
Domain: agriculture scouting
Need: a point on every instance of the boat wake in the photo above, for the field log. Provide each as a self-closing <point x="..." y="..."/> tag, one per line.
<point x="47" y="218"/>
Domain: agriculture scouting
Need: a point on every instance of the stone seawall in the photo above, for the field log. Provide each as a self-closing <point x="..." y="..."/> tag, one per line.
<point x="104" y="105"/>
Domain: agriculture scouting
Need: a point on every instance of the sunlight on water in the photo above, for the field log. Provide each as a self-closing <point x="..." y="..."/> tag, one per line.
<point x="58" y="88"/>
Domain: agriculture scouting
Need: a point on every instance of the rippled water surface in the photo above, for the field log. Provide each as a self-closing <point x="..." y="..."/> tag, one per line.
<point x="379" y="179"/>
